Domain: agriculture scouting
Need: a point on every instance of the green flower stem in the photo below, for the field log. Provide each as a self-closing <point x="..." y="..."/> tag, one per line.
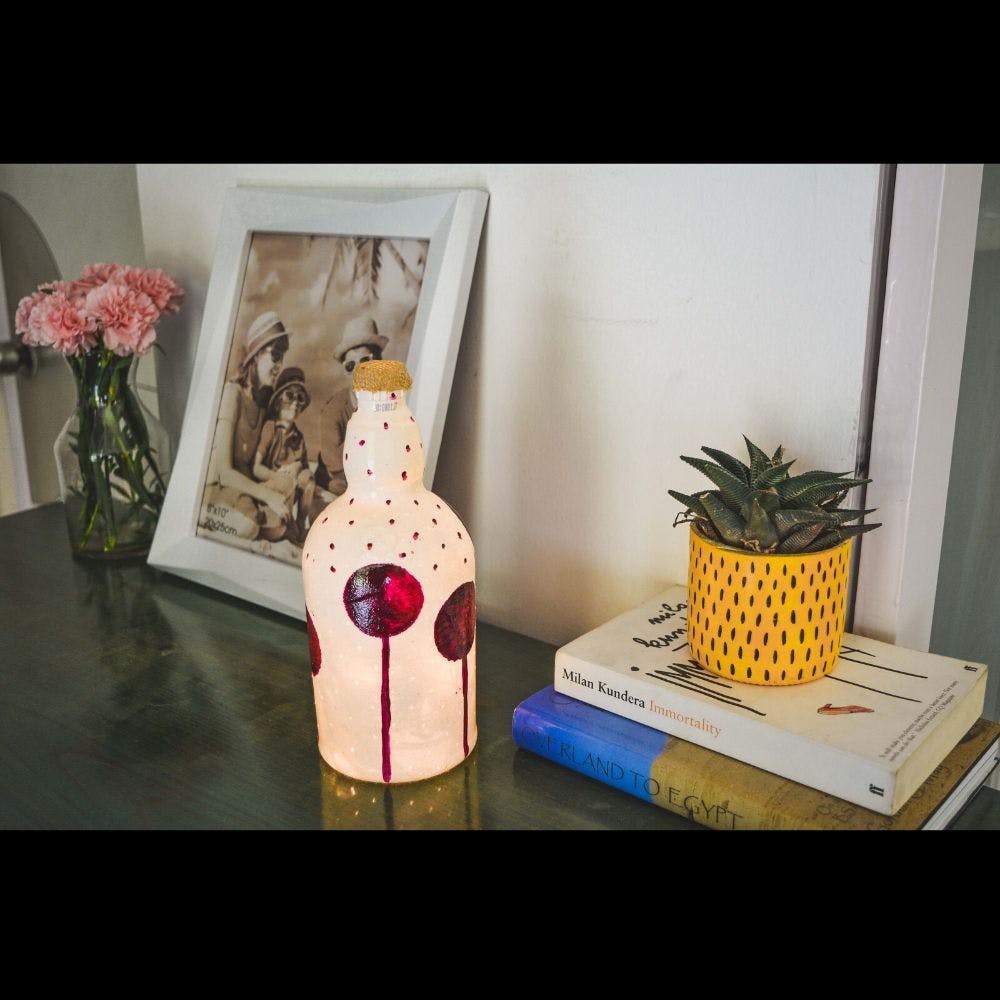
<point x="113" y="452"/>
<point x="101" y="481"/>
<point x="112" y="421"/>
<point x="138" y="421"/>
<point x="89" y="510"/>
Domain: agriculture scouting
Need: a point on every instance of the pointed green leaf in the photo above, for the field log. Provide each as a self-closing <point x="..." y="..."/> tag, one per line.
<point x="691" y="503"/>
<point x="772" y="476"/>
<point x="800" y="538"/>
<point x="760" y="528"/>
<point x="830" y="538"/>
<point x="843" y="516"/>
<point x="768" y="499"/>
<point x="728" y="524"/>
<point x="786" y="521"/>
<point x="778" y="455"/>
<point x="758" y="460"/>
<point x="734" y="491"/>
<point x="822" y="492"/>
<point x="730" y="464"/>
<point x="835" y="501"/>
<point x="793" y="487"/>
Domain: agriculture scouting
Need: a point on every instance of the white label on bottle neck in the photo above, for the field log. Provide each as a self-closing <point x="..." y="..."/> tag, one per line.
<point x="382" y="407"/>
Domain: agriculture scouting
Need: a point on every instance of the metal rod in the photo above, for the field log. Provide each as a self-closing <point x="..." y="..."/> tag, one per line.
<point x="15" y="355"/>
<point x="873" y="346"/>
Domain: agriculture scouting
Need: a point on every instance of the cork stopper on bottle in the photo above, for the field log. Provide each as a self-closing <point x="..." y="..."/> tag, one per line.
<point x="381" y="376"/>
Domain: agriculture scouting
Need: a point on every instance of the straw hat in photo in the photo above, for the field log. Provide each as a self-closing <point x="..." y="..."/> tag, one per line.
<point x="360" y="332"/>
<point x="267" y="327"/>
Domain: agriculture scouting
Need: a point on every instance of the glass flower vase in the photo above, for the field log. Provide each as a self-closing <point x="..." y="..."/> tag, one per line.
<point x="113" y="460"/>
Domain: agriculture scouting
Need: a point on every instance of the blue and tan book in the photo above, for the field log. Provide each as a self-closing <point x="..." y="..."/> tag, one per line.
<point x="869" y="732"/>
<point x="726" y="794"/>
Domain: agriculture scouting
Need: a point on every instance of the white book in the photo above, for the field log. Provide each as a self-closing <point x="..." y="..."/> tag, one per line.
<point x="870" y="732"/>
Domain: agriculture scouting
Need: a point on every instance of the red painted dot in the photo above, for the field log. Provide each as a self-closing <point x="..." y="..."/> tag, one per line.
<point x="346" y="456"/>
<point x="407" y="448"/>
<point x="333" y="569"/>
<point x="392" y="395"/>
<point x="416" y="503"/>
<point x="392" y="520"/>
<point x="438" y="506"/>
<point x="385" y="427"/>
<point x="388" y="502"/>
<point x="416" y="535"/>
<point x="412" y="421"/>
<point x="350" y="522"/>
<point x="349" y="502"/>
<point x="465" y="560"/>
<point x="434" y="520"/>
<point x="324" y="519"/>
<point x="332" y="546"/>
<point x="369" y="472"/>
<point x="404" y="475"/>
<point x="369" y="546"/>
<point x="442" y="545"/>
<point x="435" y="565"/>
<point x="402" y="555"/>
<point x="459" y="533"/>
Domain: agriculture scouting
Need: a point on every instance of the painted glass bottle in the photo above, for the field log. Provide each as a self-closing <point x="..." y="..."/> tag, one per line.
<point x="389" y="577"/>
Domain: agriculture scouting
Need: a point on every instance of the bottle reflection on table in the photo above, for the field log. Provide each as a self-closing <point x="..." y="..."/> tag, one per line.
<point x="449" y="801"/>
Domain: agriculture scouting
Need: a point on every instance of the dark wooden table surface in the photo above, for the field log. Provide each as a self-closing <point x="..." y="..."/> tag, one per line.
<point x="132" y="699"/>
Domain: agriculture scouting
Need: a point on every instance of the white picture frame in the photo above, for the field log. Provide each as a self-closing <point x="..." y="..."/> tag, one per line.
<point x="450" y="221"/>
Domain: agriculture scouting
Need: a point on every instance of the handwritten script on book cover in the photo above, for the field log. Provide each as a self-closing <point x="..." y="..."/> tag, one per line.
<point x="668" y="632"/>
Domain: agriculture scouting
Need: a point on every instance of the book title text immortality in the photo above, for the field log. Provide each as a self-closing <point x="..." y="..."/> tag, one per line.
<point x="623" y="694"/>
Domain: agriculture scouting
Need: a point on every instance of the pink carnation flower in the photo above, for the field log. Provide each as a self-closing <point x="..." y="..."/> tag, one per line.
<point x="95" y="275"/>
<point x="159" y="286"/>
<point x="78" y="289"/>
<point x="111" y="302"/>
<point x="23" y="314"/>
<point x="126" y="316"/>
<point x="60" y="322"/>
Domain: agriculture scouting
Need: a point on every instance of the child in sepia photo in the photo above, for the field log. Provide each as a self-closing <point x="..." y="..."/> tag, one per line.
<point x="282" y="461"/>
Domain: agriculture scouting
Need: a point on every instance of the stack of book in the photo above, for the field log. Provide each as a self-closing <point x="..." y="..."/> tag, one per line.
<point x="890" y="739"/>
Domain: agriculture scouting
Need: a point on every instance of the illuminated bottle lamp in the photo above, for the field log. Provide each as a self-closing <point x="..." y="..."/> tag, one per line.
<point x="389" y="578"/>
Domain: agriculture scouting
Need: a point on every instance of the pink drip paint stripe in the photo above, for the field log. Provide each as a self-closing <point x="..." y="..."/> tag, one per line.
<point x="386" y="713"/>
<point x="465" y="705"/>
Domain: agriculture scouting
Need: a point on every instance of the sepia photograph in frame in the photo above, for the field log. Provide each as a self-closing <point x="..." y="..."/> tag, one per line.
<point x="305" y="283"/>
<point x="311" y="308"/>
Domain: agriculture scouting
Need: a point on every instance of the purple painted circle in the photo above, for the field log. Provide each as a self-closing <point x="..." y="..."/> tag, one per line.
<point x="455" y="625"/>
<point x="383" y="599"/>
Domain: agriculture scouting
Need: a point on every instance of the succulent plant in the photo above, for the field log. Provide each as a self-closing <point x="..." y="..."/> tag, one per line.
<point x="762" y="508"/>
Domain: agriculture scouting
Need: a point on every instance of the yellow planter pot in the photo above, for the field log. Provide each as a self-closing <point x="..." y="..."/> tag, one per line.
<point x="764" y="618"/>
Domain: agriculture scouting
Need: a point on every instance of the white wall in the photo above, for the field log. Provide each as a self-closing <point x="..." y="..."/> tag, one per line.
<point x="619" y="316"/>
<point x="87" y="212"/>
